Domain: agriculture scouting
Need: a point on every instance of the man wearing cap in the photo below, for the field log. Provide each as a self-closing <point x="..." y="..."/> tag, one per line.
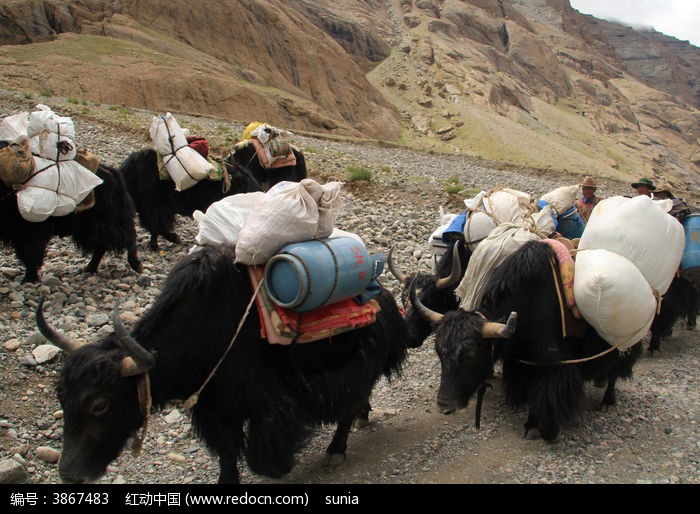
<point x="644" y="186"/>
<point x="588" y="199"/>
<point x="680" y="209"/>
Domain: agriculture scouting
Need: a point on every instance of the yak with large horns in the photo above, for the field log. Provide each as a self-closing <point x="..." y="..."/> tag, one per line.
<point x="543" y="370"/>
<point x="262" y="402"/>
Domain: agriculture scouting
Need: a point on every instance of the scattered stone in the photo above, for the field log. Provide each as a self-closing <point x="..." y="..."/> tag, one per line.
<point x="12" y="472"/>
<point x="47" y="454"/>
<point x="45" y="353"/>
<point x="12" y="345"/>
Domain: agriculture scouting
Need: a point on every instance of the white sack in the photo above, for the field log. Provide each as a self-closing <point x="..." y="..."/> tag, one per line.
<point x="437" y="248"/>
<point x="641" y="230"/>
<point x="561" y="199"/>
<point x="46" y="129"/>
<point x="290" y="212"/>
<point x="56" y="190"/>
<point x="478" y="226"/>
<point x="492" y="251"/>
<point x="506" y="205"/>
<point x="14" y="128"/>
<point x="224" y="219"/>
<point x="183" y="163"/>
<point x="613" y="297"/>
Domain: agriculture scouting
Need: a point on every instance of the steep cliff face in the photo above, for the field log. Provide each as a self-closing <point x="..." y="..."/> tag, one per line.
<point x="530" y="82"/>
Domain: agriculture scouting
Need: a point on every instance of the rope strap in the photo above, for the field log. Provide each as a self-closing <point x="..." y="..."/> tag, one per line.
<point x="192" y="400"/>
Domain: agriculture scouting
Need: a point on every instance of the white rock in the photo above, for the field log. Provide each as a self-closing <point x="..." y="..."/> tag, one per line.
<point x="173" y="416"/>
<point x="12" y="345"/>
<point x="47" y="454"/>
<point x="45" y="353"/>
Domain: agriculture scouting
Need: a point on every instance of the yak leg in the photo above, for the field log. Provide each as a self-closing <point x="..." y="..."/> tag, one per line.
<point x="31" y="252"/>
<point x="609" y="396"/>
<point x="97" y="255"/>
<point x="153" y="244"/>
<point x="133" y="258"/>
<point x="228" y="470"/>
<point x="362" y="419"/>
<point x="654" y="344"/>
<point x="530" y="423"/>
<point x="335" y="453"/>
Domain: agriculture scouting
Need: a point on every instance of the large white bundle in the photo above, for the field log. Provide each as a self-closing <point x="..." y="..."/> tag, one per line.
<point x="561" y="199"/>
<point x="478" y="226"/>
<point x="613" y="297"/>
<point x="290" y="212"/>
<point x="224" y="219"/>
<point x="505" y="239"/>
<point x="55" y="189"/>
<point x="641" y="230"/>
<point x="184" y="164"/>
<point x="506" y="205"/>
<point x="51" y="136"/>
<point x="14" y="127"/>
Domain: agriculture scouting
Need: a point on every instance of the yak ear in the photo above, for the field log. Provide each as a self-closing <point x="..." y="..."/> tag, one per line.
<point x="51" y="334"/>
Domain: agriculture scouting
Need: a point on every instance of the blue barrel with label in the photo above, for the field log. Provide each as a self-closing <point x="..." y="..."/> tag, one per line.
<point x="570" y="223"/>
<point x="690" y="262"/>
<point x="307" y="275"/>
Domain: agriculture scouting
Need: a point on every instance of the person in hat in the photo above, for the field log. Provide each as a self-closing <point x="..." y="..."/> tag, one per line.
<point x="680" y="209"/>
<point x="588" y="198"/>
<point x="644" y="186"/>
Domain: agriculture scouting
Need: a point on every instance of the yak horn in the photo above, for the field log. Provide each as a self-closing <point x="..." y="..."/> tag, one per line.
<point x="430" y="315"/>
<point x="500" y="330"/>
<point x="140" y="360"/>
<point x="52" y="335"/>
<point x="400" y="276"/>
<point x="456" y="274"/>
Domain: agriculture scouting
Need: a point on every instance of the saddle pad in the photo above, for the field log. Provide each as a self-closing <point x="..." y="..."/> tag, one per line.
<point x="285" y="326"/>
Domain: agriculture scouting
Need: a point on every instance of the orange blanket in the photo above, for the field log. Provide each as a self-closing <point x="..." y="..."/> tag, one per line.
<point x="285" y="326"/>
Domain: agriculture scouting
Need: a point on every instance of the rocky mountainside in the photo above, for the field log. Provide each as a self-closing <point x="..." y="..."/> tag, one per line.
<point x="526" y="82"/>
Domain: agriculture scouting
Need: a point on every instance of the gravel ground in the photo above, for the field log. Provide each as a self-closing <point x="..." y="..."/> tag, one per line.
<point x="650" y="436"/>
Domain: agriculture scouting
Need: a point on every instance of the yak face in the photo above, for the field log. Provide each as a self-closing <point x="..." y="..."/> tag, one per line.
<point x="100" y="411"/>
<point x="465" y="358"/>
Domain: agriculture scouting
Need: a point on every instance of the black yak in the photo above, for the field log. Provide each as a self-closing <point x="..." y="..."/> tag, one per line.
<point x="244" y="155"/>
<point x="262" y="402"/>
<point x="158" y="202"/>
<point x="680" y="302"/>
<point x="107" y="226"/>
<point x="542" y="369"/>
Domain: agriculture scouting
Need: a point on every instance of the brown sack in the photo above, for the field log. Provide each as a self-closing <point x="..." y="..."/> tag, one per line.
<point x="87" y="159"/>
<point x="16" y="163"/>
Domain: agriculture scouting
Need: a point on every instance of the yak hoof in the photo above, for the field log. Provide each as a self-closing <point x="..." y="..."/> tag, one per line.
<point x="333" y="460"/>
<point x="360" y="423"/>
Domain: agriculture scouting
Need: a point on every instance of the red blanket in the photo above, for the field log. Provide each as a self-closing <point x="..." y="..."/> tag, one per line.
<point x="285" y="326"/>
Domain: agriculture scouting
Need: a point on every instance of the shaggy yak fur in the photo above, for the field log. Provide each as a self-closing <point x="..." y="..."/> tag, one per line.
<point x="108" y="226"/>
<point x="263" y="402"/>
<point x="158" y="202"/>
<point x="681" y="302"/>
<point x="551" y="390"/>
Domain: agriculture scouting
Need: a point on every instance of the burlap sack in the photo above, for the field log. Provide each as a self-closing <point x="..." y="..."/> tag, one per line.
<point x="16" y="163"/>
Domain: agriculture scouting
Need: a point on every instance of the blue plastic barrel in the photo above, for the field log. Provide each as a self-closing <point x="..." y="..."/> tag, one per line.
<point x="570" y="224"/>
<point x="307" y="275"/>
<point x="690" y="262"/>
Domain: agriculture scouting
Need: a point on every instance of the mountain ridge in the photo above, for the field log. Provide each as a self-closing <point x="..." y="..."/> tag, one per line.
<point x="524" y="82"/>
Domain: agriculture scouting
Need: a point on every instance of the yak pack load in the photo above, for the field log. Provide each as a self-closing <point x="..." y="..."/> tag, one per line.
<point x="627" y="258"/>
<point x="271" y="144"/>
<point x="55" y="182"/>
<point x="185" y="165"/>
<point x="313" y="279"/>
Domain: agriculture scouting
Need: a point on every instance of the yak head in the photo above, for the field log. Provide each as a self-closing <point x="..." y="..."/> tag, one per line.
<point x="99" y="393"/>
<point x="436" y="292"/>
<point x="464" y="345"/>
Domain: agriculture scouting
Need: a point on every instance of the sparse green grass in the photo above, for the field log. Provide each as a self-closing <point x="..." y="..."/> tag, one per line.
<point x="354" y="173"/>
<point x="46" y="92"/>
<point x="453" y="185"/>
<point x="28" y="96"/>
<point x="72" y="100"/>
